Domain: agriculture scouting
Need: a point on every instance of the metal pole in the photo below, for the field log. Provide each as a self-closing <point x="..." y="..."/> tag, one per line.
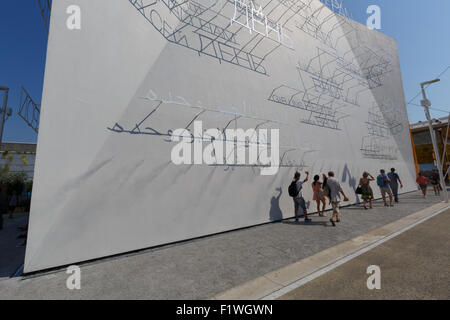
<point x="426" y="104"/>
<point x="3" y="112"/>
<point x="444" y="156"/>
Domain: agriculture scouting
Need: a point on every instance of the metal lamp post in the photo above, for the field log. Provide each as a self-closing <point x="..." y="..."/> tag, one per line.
<point x="3" y="111"/>
<point x="426" y="104"/>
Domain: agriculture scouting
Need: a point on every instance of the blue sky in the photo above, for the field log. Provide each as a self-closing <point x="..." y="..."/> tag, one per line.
<point x="23" y="42"/>
<point x="422" y="31"/>
<point x="421" y="28"/>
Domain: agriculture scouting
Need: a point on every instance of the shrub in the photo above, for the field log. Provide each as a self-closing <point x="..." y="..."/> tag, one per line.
<point x="15" y="181"/>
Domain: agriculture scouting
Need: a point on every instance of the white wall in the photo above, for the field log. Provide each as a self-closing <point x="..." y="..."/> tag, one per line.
<point x="102" y="189"/>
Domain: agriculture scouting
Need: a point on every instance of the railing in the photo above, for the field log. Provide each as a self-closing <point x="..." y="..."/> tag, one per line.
<point x="45" y="6"/>
<point x="29" y="111"/>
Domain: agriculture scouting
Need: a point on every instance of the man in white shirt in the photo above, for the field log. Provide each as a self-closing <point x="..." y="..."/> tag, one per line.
<point x="335" y="196"/>
<point x="299" y="201"/>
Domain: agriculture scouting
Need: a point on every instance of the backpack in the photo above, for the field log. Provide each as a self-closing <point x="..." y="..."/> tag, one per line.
<point x="293" y="189"/>
<point x="382" y="181"/>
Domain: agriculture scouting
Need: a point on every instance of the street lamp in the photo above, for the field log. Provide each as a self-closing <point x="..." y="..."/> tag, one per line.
<point x="426" y="104"/>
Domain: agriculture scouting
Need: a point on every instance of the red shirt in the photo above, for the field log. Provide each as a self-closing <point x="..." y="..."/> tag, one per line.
<point x="421" y="180"/>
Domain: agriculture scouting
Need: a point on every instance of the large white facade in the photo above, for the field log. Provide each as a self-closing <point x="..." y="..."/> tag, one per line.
<point x="137" y="70"/>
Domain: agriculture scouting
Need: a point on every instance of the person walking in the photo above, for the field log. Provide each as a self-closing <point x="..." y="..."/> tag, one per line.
<point x="335" y="195"/>
<point x="383" y="182"/>
<point x="435" y="182"/>
<point x="394" y="181"/>
<point x="319" y="195"/>
<point x="423" y="183"/>
<point x="13" y="203"/>
<point x="367" y="193"/>
<point x="295" y="191"/>
<point x="326" y="190"/>
<point x="3" y="203"/>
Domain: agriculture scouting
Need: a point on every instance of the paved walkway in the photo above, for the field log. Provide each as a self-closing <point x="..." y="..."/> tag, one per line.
<point x="203" y="268"/>
<point x="413" y="265"/>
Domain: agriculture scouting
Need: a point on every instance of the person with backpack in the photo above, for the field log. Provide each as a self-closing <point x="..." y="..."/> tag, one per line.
<point x="395" y="180"/>
<point x="436" y="182"/>
<point x="295" y="191"/>
<point x="383" y="182"/>
<point x="319" y="195"/>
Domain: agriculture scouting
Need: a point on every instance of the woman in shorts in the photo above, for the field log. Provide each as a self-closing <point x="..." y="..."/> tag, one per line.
<point x="319" y="195"/>
<point x="423" y="184"/>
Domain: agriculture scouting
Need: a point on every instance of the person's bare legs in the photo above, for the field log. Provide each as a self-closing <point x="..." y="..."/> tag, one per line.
<point x="318" y="207"/>
<point x="424" y="191"/>
<point x="370" y="204"/>
<point x="390" y="199"/>
<point x="364" y="203"/>
<point x="335" y="216"/>
<point x="437" y="190"/>
<point x="324" y="204"/>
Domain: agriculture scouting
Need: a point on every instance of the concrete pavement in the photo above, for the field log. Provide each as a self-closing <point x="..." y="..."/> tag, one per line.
<point x="204" y="268"/>
<point x="414" y="265"/>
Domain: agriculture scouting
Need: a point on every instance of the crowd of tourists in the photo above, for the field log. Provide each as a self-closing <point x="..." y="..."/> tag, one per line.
<point x="328" y="189"/>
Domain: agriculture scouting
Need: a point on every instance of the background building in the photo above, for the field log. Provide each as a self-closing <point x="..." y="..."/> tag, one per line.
<point x="19" y="157"/>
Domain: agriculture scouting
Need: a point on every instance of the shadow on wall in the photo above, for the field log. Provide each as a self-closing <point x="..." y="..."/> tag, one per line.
<point x="352" y="181"/>
<point x="275" y="213"/>
<point x="387" y="134"/>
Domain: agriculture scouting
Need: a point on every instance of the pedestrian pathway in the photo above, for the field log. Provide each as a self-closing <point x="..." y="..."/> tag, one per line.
<point x="204" y="268"/>
<point x="419" y="269"/>
<point x="281" y="282"/>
